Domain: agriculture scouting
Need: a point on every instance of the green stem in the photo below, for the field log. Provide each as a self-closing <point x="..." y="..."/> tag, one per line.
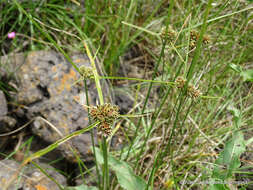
<point x="101" y="100"/>
<point x="145" y="102"/>
<point x="150" y="86"/>
<point x="92" y="133"/>
<point x="189" y="76"/>
<point x="137" y="79"/>
<point x="198" y="48"/>
<point x="105" y="168"/>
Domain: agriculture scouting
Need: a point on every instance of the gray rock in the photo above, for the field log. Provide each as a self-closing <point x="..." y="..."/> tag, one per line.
<point x="46" y="89"/>
<point x="31" y="178"/>
<point x="45" y="82"/>
<point x="7" y="124"/>
<point x="123" y="100"/>
<point x="3" y="105"/>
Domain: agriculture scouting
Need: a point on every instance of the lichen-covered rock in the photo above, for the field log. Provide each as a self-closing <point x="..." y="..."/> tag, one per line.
<point x="7" y="124"/>
<point x="31" y="178"/>
<point x="3" y="104"/>
<point x="46" y="89"/>
<point x="123" y="100"/>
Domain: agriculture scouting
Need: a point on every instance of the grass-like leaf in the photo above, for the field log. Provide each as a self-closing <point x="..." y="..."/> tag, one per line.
<point x="58" y="143"/>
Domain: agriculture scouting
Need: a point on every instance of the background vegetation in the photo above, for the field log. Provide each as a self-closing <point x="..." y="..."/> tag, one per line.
<point x="178" y="140"/>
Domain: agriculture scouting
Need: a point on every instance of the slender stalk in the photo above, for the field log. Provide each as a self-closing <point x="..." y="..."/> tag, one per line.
<point x="138" y="79"/>
<point x="92" y="134"/>
<point x="189" y="76"/>
<point x="198" y="48"/>
<point x="146" y="100"/>
<point x="96" y="76"/>
<point x="105" y="169"/>
<point x="101" y="100"/>
<point x="150" y="86"/>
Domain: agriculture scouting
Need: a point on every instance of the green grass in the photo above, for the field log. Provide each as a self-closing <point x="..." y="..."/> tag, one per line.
<point x="182" y="137"/>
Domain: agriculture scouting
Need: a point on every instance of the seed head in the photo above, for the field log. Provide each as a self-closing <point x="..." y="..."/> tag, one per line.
<point x="193" y="92"/>
<point x="192" y="44"/>
<point x="105" y="128"/>
<point x="106" y="114"/>
<point x="206" y="39"/>
<point x="180" y="82"/>
<point x="194" y="35"/>
<point x="194" y="38"/>
<point x="86" y="72"/>
<point x="170" y="33"/>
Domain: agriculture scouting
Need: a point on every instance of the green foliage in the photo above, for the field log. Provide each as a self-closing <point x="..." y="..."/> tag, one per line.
<point x="125" y="175"/>
<point x="177" y="124"/>
<point x="81" y="187"/>
<point x="247" y="75"/>
<point x="229" y="159"/>
<point x="218" y="187"/>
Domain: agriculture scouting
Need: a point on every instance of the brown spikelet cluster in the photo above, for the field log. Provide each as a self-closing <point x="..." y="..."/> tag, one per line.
<point x="86" y="72"/>
<point x="194" y="36"/>
<point x="206" y="39"/>
<point x="192" y="91"/>
<point x="106" y="114"/>
<point x="180" y="82"/>
<point x="170" y="34"/>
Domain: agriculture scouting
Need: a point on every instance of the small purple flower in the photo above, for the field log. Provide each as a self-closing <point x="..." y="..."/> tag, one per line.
<point x="11" y="35"/>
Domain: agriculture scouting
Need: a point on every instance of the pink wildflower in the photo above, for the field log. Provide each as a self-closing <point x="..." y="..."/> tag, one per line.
<point x="11" y="35"/>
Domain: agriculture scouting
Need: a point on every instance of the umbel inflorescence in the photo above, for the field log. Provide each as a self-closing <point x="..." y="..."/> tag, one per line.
<point x="106" y="115"/>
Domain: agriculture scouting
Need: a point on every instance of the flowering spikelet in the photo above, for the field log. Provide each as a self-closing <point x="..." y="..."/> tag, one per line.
<point x="206" y="39"/>
<point x="194" y="36"/>
<point x="86" y="72"/>
<point x="170" y="33"/>
<point x="106" y="114"/>
<point x="105" y="128"/>
<point x="193" y="92"/>
<point x="180" y="82"/>
<point x="192" y="44"/>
